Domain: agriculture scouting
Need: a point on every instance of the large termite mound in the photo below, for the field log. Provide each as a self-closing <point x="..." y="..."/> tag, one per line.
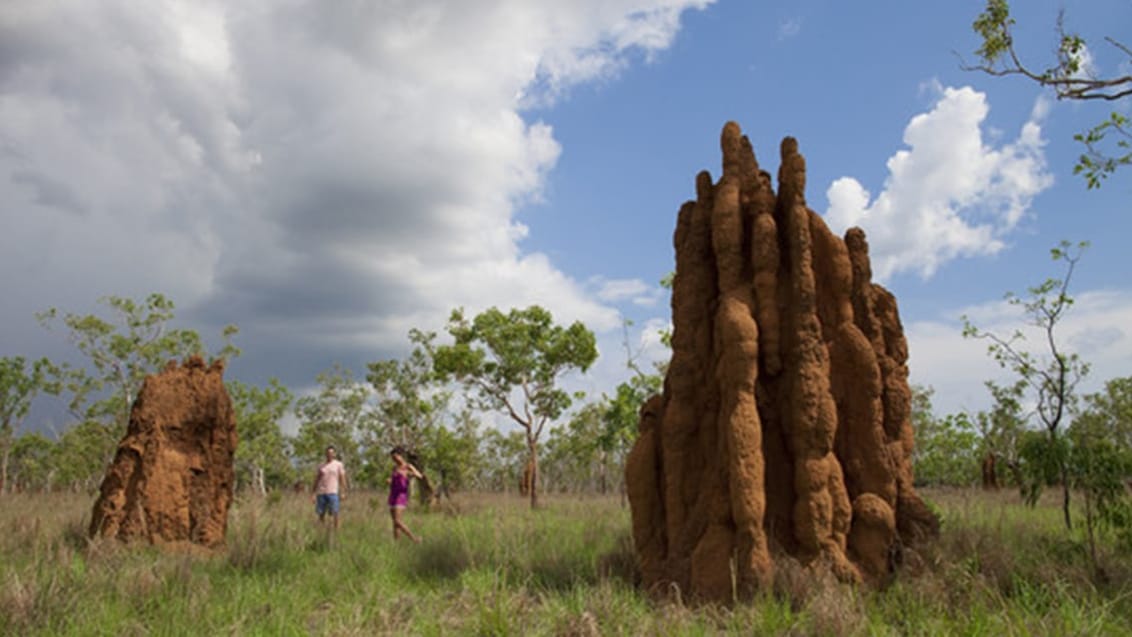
<point x="171" y="480"/>
<point x="784" y="427"/>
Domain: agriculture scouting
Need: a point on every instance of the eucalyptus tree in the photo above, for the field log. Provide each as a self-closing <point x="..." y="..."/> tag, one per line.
<point x="513" y="363"/>
<point x="263" y="447"/>
<point x="574" y="457"/>
<point x="946" y="448"/>
<point x="504" y="455"/>
<point x="20" y="381"/>
<point x="451" y="452"/>
<point x="33" y="462"/>
<point x="1002" y="427"/>
<point x="1101" y="462"/>
<point x="409" y="400"/>
<point x="332" y="417"/>
<point x="1050" y="372"/>
<point x="136" y="341"/>
<point x="1112" y="407"/>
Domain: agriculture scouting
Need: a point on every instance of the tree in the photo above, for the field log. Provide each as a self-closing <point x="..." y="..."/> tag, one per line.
<point x="262" y="448"/>
<point x="1001" y="428"/>
<point x="575" y="450"/>
<point x="1071" y="77"/>
<point x="19" y="383"/>
<point x="1051" y="377"/>
<point x="32" y="463"/>
<point x="332" y="417"/>
<point x="409" y="402"/>
<point x="1099" y="466"/>
<point x="1101" y="457"/>
<point x="505" y="454"/>
<point x="121" y="352"/>
<point x="945" y="450"/>
<point x="81" y="455"/>
<point x="512" y="363"/>
<point x="452" y="454"/>
<point x="1112" y="407"/>
<point x="621" y="411"/>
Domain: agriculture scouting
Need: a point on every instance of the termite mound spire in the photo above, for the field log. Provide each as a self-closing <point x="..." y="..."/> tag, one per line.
<point x="784" y="427"/>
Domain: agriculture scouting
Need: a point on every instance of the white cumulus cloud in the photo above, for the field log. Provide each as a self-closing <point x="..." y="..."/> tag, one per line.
<point x="950" y="193"/>
<point x="324" y="175"/>
<point x="1096" y="328"/>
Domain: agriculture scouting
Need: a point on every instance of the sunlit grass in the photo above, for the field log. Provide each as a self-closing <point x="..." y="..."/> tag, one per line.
<point x="488" y="565"/>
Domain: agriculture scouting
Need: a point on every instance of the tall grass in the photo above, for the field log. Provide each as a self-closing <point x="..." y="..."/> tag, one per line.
<point x="489" y="566"/>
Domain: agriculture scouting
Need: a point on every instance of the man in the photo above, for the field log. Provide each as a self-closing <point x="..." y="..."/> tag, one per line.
<point x="329" y="486"/>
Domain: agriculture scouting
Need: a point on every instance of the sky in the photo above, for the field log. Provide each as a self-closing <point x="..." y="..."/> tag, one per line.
<point x="327" y="176"/>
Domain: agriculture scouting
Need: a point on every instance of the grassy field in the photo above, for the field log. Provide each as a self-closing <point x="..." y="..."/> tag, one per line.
<point x="489" y="566"/>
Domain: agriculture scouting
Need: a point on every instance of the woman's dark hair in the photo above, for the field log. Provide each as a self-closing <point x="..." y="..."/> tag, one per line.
<point x="410" y="456"/>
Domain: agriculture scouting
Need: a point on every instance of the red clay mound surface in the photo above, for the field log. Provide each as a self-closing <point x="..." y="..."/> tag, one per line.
<point x="172" y="477"/>
<point x="785" y="423"/>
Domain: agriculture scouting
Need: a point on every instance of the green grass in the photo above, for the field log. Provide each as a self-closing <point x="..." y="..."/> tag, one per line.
<point x="490" y="566"/>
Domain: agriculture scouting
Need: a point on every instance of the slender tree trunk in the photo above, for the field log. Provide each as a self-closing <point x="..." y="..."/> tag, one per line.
<point x="990" y="475"/>
<point x="1065" y="497"/>
<point x="1016" y="471"/>
<point x="533" y="449"/>
<point x="1063" y="471"/>
<point x="7" y="453"/>
<point x="7" y="436"/>
<point x="258" y="479"/>
<point x="1089" y="522"/>
<point x="602" y="486"/>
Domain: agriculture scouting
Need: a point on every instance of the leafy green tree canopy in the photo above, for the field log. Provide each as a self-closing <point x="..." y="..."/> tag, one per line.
<point x="122" y="351"/>
<point x="33" y="462"/>
<point x="512" y="363"/>
<point x="19" y="383"/>
<point x="261" y="455"/>
<point x="332" y="417"/>
<point x="137" y="341"/>
<point x="409" y="400"/>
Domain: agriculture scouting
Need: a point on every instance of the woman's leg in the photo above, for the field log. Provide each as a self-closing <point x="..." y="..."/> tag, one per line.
<point x="398" y="524"/>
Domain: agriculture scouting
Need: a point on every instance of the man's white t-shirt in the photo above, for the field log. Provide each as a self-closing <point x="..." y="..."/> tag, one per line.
<point x="328" y="476"/>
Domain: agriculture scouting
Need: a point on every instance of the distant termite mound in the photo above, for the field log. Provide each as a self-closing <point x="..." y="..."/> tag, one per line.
<point x="171" y="480"/>
<point x="784" y="428"/>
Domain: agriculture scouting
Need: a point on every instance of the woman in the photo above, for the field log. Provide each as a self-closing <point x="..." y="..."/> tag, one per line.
<point x="399" y="492"/>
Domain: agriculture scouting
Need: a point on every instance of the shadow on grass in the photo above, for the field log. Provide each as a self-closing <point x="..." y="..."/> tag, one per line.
<point x="447" y="558"/>
<point x="438" y="559"/>
<point x="620" y="563"/>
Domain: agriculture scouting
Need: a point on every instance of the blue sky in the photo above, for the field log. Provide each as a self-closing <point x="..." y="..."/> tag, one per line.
<point x="328" y="176"/>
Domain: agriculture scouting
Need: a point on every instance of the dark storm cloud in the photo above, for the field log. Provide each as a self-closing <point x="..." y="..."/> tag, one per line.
<point x="49" y="192"/>
<point x="323" y="175"/>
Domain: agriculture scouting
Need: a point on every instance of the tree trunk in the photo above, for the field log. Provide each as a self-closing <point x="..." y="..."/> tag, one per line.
<point x="7" y="439"/>
<point x="534" y="475"/>
<point x="990" y="475"/>
<point x="1016" y="471"/>
<point x="1065" y="498"/>
<point x="1089" y="532"/>
<point x="4" y="455"/>
<point x="602" y="486"/>
<point x="258" y="479"/>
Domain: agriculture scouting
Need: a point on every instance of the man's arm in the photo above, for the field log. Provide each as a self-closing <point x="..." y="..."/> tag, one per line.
<point x="345" y="482"/>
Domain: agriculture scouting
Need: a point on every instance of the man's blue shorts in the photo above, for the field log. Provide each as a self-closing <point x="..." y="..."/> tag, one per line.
<point x="326" y="503"/>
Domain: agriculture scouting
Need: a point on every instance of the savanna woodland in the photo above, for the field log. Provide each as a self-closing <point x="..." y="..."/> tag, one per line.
<point x="528" y="523"/>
